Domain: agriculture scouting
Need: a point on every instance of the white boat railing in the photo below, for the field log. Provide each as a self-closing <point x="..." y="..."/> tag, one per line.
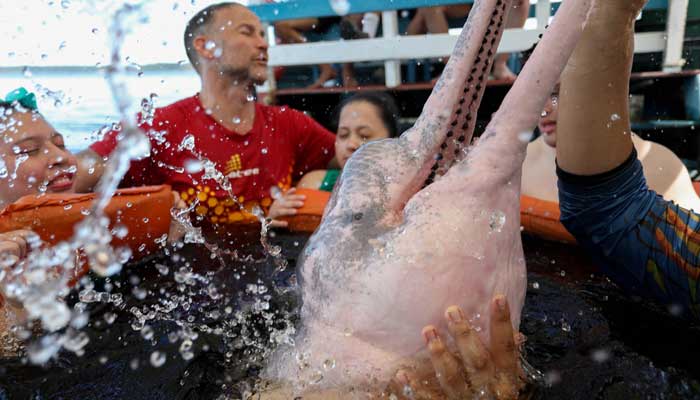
<point x="392" y="47"/>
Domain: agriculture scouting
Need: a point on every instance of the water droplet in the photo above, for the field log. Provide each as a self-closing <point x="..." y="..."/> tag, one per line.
<point x="340" y="7"/>
<point x="147" y="333"/>
<point x="193" y="166"/>
<point x="250" y="97"/>
<point x="675" y="309"/>
<point x="210" y="45"/>
<point x="236" y="120"/>
<point x="26" y="72"/>
<point x="535" y="285"/>
<point x="187" y="143"/>
<point x="525" y="137"/>
<point x="264" y="150"/>
<point x="600" y="355"/>
<point x="162" y="269"/>
<point x="565" y="326"/>
<point x="157" y="359"/>
<point x="110" y="318"/>
<point x="615" y="117"/>
<point x="95" y="30"/>
<point x="496" y="221"/>
<point x="329" y="364"/>
<point x="65" y="4"/>
<point x="120" y="231"/>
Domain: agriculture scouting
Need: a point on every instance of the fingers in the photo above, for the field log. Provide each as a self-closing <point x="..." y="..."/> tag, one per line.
<point x="503" y="349"/>
<point x="282" y="212"/>
<point x="275" y="223"/>
<point x="447" y="367"/>
<point x="407" y="385"/>
<point x="178" y="203"/>
<point x="16" y="242"/>
<point x="9" y="253"/>
<point x="295" y="200"/>
<point x="475" y="356"/>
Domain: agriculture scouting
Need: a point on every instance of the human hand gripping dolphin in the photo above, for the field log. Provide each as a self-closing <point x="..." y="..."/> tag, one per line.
<point x="423" y="222"/>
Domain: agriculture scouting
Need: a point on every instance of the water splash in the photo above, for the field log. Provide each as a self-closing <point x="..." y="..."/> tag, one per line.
<point x="211" y="172"/>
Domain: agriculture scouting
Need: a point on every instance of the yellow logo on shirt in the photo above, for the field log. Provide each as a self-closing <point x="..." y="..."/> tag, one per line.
<point x="234" y="164"/>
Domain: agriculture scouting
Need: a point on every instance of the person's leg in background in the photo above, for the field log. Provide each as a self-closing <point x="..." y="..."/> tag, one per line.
<point x="291" y="32"/>
<point x="516" y="19"/>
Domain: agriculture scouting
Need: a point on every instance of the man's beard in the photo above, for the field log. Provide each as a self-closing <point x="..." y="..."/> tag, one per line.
<point x="241" y="76"/>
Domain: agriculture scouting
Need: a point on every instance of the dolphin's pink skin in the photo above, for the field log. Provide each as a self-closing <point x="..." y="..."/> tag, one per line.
<point x="391" y="255"/>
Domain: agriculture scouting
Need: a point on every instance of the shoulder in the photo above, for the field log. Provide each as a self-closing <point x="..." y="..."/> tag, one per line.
<point x="661" y="156"/>
<point x="281" y="112"/>
<point x="174" y="113"/>
<point x="312" y="180"/>
<point x="535" y="152"/>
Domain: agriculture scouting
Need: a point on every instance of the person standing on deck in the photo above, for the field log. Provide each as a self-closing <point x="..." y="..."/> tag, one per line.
<point x="644" y="243"/>
<point x="260" y="149"/>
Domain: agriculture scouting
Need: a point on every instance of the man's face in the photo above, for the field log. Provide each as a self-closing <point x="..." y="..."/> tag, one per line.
<point x="240" y="45"/>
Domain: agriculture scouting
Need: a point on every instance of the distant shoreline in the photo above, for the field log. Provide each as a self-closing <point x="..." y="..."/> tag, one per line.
<point x="88" y="69"/>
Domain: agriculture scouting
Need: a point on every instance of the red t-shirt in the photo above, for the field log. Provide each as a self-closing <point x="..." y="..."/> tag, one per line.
<point x="283" y="145"/>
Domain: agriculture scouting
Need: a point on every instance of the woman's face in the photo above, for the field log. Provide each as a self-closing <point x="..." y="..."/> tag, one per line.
<point x="548" y="119"/>
<point x="33" y="158"/>
<point x="359" y="123"/>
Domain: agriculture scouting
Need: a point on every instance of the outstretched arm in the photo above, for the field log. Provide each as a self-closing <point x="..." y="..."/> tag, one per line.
<point x="594" y="128"/>
<point x="643" y="243"/>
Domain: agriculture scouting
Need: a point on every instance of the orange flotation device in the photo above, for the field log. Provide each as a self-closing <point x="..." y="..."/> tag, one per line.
<point x="308" y="217"/>
<point x="538" y="217"/>
<point x="541" y="218"/>
<point x="144" y="211"/>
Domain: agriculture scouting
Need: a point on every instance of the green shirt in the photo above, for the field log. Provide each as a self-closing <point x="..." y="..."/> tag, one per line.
<point x="329" y="180"/>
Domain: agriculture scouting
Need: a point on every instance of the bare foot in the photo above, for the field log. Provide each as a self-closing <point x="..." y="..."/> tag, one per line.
<point x="502" y="72"/>
<point x="350" y="82"/>
<point x="327" y="74"/>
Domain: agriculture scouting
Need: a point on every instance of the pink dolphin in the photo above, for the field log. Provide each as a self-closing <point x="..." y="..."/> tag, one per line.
<point x="392" y="253"/>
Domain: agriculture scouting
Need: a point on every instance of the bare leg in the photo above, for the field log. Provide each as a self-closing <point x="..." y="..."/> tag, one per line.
<point x="291" y="31"/>
<point x="349" y="75"/>
<point x="327" y="73"/>
<point x="417" y="24"/>
<point x="434" y="20"/>
<point x="516" y="19"/>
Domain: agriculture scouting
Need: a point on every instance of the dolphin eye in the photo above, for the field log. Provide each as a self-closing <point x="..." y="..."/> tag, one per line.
<point x="357" y="216"/>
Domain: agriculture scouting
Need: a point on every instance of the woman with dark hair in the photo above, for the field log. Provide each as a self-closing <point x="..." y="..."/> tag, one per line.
<point x="359" y="119"/>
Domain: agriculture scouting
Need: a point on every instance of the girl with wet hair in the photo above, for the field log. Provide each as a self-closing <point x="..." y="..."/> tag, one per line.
<point x="33" y="161"/>
<point x="361" y="118"/>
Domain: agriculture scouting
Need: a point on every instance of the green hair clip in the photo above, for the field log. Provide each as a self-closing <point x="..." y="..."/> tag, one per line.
<point x="22" y="96"/>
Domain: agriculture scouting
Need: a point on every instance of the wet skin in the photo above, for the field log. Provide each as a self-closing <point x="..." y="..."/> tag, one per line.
<point x="35" y="157"/>
<point x="392" y="253"/>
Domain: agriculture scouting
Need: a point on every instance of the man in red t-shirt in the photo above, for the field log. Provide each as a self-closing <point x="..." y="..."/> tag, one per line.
<point x="256" y="147"/>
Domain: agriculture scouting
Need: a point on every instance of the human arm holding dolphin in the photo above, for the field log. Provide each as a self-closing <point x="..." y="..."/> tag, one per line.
<point x="645" y="244"/>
